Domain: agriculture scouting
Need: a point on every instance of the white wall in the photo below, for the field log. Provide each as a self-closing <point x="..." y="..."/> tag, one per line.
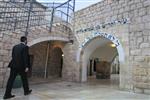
<point x="104" y="53"/>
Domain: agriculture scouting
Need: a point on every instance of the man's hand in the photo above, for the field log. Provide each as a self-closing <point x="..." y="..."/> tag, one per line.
<point x="27" y="69"/>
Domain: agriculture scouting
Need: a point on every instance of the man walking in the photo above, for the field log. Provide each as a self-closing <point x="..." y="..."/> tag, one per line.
<point x="19" y="65"/>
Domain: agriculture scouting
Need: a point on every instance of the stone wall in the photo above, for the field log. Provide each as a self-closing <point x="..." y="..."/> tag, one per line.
<point x="133" y="35"/>
<point x="39" y="52"/>
<point x="7" y="41"/>
<point x="69" y="71"/>
<point x="36" y="35"/>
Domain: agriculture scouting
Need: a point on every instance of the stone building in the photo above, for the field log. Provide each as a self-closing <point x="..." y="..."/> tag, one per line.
<point x="69" y="53"/>
<point x="126" y="24"/>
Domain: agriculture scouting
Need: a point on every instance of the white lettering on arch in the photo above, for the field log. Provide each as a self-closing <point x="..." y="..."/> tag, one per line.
<point x="105" y="35"/>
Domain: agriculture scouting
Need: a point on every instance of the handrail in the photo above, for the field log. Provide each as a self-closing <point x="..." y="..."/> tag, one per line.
<point x="26" y="15"/>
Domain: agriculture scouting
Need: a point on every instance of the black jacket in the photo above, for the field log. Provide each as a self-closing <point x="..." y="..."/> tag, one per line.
<point x="20" y="57"/>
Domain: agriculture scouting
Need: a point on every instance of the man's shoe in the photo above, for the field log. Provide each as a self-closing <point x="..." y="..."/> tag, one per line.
<point x="8" y="97"/>
<point x="27" y="93"/>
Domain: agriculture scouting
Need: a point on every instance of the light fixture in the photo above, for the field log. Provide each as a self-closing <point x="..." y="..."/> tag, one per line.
<point x="62" y="55"/>
<point x="113" y="45"/>
<point x="70" y="41"/>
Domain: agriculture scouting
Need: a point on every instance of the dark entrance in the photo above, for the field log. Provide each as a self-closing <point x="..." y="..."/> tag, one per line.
<point x="55" y="63"/>
<point x="47" y="61"/>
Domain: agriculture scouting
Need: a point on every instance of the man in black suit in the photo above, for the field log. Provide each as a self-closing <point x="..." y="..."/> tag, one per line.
<point x="19" y="65"/>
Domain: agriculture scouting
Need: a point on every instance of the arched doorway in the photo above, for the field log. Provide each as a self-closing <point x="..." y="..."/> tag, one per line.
<point x="103" y="65"/>
<point x="47" y="61"/>
<point x="55" y="63"/>
<point x="93" y="43"/>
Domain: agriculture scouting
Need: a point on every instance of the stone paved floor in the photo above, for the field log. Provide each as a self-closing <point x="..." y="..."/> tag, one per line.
<point x="92" y="90"/>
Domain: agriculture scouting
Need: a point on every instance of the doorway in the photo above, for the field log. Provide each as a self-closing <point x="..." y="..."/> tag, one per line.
<point x="103" y="65"/>
<point x="47" y="64"/>
<point x="55" y="63"/>
<point x="94" y="53"/>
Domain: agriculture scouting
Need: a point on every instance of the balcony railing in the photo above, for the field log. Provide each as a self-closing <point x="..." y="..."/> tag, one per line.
<point x="20" y="15"/>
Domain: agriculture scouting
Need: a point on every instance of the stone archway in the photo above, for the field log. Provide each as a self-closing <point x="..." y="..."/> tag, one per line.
<point x="44" y="51"/>
<point x="89" y="46"/>
<point x="49" y="38"/>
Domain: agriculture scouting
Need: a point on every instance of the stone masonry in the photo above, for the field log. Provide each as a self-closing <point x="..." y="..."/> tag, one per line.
<point x="134" y="36"/>
<point x="36" y="35"/>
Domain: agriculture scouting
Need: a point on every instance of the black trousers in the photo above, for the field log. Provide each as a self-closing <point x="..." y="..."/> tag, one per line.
<point x="13" y="74"/>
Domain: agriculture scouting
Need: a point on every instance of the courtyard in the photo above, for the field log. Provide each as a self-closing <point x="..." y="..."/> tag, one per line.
<point x="101" y="52"/>
<point x="92" y="90"/>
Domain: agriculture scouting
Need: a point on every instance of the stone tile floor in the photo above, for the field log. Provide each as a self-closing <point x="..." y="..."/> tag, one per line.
<point x="92" y="90"/>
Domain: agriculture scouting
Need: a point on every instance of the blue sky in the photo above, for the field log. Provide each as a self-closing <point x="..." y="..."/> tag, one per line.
<point x="80" y="4"/>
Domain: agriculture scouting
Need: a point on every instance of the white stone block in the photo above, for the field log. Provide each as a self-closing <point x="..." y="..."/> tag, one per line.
<point x="133" y="7"/>
<point x="146" y="3"/>
<point x="135" y="52"/>
<point x="142" y="12"/>
<point x="146" y="18"/>
<point x="138" y="19"/>
<point x="139" y="5"/>
<point x="145" y="45"/>
<point x="147" y="26"/>
<point x="139" y="39"/>
<point x="139" y="58"/>
<point x="1" y="34"/>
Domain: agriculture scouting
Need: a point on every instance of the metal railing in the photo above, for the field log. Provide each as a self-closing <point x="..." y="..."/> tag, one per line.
<point x="20" y="15"/>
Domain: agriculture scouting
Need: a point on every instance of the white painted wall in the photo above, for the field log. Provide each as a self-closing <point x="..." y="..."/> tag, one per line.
<point x="104" y="53"/>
